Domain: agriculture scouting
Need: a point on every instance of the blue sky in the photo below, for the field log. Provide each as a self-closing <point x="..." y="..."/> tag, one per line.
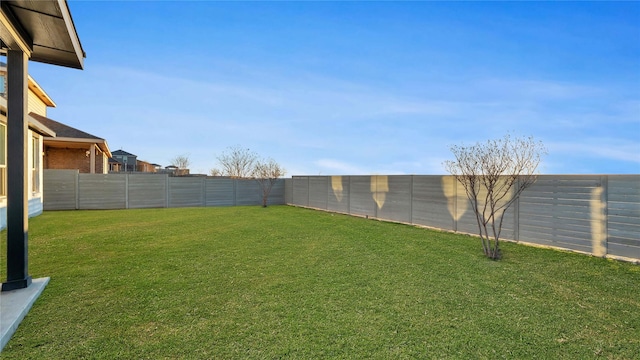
<point x="338" y="88"/>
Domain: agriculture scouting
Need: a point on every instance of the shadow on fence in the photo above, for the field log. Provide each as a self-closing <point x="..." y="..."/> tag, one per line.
<point x="597" y="214"/>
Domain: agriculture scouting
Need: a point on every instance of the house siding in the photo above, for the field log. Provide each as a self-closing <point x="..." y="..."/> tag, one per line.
<point x="36" y="105"/>
<point x="35" y="206"/>
<point x="34" y="190"/>
<point x="35" y="202"/>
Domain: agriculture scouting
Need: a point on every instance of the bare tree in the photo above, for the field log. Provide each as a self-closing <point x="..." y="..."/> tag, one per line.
<point x="182" y="162"/>
<point x="215" y="172"/>
<point x="266" y="173"/>
<point x="493" y="175"/>
<point x="237" y="162"/>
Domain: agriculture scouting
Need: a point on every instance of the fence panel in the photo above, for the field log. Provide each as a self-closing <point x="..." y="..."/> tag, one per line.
<point x="102" y="191"/>
<point x="220" y="192"/>
<point x="623" y="223"/>
<point x="147" y="191"/>
<point x="434" y="201"/>
<point x="466" y="217"/>
<point x="361" y="200"/>
<point x="248" y="192"/>
<point x="186" y="191"/>
<point x="393" y="197"/>
<point x="338" y="197"/>
<point x="277" y="194"/>
<point x="557" y="211"/>
<point x="300" y="190"/>
<point x="288" y="191"/>
<point x="60" y="189"/>
<point x="318" y="187"/>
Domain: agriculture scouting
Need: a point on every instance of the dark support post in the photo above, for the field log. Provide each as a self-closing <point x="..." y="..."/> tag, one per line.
<point x="17" y="186"/>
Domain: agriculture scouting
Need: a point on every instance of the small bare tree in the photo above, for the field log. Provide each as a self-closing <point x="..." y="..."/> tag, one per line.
<point x="215" y="172"/>
<point x="266" y="173"/>
<point x="182" y="162"/>
<point x="493" y="175"/>
<point x="237" y="162"/>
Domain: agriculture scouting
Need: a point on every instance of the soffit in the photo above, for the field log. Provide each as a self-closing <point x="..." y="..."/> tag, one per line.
<point x="44" y="26"/>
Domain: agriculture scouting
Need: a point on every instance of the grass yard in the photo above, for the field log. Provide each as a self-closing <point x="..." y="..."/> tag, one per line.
<point x="285" y="282"/>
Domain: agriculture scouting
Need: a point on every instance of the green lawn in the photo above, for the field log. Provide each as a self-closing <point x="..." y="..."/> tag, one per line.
<point x="285" y="282"/>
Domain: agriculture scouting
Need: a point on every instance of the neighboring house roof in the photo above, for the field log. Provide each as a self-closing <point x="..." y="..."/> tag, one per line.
<point x="123" y="153"/>
<point x="67" y="135"/>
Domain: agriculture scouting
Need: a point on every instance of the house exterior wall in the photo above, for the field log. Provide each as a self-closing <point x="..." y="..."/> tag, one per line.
<point x="115" y="167"/>
<point x="34" y="148"/>
<point x="128" y="163"/>
<point x="64" y="158"/>
<point x="102" y="163"/>
<point x="74" y="159"/>
<point x="144" y="166"/>
<point x="36" y="105"/>
<point x="35" y="180"/>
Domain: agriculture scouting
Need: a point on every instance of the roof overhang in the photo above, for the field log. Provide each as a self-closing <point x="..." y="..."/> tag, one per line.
<point x="40" y="128"/>
<point x="34" y="87"/>
<point x="75" y="143"/>
<point x="33" y="123"/>
<point x="44" y="30"/>
<point x="39" y="92"/>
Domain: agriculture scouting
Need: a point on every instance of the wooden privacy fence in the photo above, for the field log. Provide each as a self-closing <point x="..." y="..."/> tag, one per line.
<point x="69" y="190"/>
<point x="597" y="214"/>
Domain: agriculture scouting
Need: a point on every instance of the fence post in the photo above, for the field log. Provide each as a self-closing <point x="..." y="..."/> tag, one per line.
<point x="516" y="214"/>
<point x="235" y="192"/>
<point x="604" y="199"/>
<point x="375" y="194"/>
<point x="349" y="204"/>
<point x="203" y="188"/>
<point x="168" y="192"/>
<point x="309" y="191"/>
<point x="455" y="204"/>
<point x="77" y="179"/>
<point x="329" y="190"/>
<point x="126" y="191"/>
<point x="411" y="200"/>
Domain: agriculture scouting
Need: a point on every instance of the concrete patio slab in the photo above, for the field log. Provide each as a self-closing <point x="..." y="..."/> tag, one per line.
<point x="14" y="306"/>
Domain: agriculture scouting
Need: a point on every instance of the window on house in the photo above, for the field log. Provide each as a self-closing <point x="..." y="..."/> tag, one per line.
<point x="3" y="87"/>
<point x="3" y="159"/>
<point x="35" y="164"/>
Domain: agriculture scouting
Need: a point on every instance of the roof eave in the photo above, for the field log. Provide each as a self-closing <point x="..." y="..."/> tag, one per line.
<point x="18" y="19"/>
<point x="101" y="143"/>
<point x="40" y="128"/>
